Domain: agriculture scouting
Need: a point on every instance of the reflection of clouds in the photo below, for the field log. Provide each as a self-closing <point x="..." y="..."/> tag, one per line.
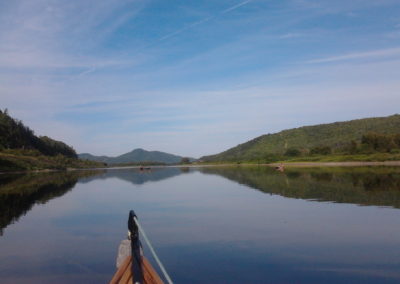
<point x="217" y="221"/>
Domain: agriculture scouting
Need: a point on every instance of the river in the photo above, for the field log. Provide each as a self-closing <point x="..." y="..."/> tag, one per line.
<point x="207" y="224"/>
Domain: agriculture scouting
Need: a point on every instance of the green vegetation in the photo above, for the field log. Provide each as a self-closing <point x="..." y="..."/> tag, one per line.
<point x="292" y="152"/>
<point x="370" y="139"/>
<point x="374" y="157"/>
<point x="321" y="150"/>
<point x="30" y="160"/>
<point x="21" y="149"/>
<point x="15" y="135"/>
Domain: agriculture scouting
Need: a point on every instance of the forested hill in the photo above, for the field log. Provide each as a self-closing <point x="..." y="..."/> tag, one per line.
<point x="15" y="135"/>
<point x="361" y="135"/>
<point x="135" y="156"/>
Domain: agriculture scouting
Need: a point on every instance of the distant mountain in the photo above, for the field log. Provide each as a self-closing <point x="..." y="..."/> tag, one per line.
<point x="135" y="156"/>
<point x="334" y="135"/>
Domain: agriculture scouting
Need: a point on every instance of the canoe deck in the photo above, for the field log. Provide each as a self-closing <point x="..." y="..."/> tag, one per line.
<point x="124" y="273"/>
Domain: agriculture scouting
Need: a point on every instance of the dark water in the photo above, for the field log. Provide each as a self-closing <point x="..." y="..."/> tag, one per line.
<point x="208" y="225"/>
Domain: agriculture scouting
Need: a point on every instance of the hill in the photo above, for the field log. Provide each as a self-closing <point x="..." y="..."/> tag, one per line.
<point x="15" y="135"/>
<point x="135" y="156"/>
<point x="336" y="137"/>
<point x="21" y="149"/>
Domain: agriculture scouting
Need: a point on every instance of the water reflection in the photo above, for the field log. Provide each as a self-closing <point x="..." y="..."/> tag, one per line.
<point x="137" y="176"/>
<point x="19" y="193"/>
<point x="208" y="225"/>
<point x="364" y="186"/>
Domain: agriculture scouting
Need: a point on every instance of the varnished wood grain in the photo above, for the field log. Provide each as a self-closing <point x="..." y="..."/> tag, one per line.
<point x="124" y="273"/>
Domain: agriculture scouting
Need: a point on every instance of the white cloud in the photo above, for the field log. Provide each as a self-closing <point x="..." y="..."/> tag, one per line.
<point x="40" y="34"/>
<point x="53" y="74"/>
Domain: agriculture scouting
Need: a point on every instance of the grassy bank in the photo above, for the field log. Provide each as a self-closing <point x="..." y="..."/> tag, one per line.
<point x="332" y="158"/>
<point x="376" y="157"/>
<point x="31" y="160"/>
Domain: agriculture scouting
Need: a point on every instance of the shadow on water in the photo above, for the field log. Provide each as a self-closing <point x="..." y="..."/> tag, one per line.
<point x="378" y="186"/>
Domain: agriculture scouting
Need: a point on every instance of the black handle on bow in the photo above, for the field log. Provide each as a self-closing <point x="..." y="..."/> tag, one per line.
<point x="137" y="272"/>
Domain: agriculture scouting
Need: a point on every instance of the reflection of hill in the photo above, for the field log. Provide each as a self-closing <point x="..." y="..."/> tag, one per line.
<point x="136" y="176"/>
<point x="364" y="186"/>
<point x="19" y="193"/>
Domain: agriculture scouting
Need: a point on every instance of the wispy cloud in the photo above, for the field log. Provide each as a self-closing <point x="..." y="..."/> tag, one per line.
<point x="104" y="76"/>
<point x="188" y="27"/>
<point x="202" y="21"/>
<point x="235" y="7"/>
<point x="38" y="34"/>
<point x="390" y="52"/>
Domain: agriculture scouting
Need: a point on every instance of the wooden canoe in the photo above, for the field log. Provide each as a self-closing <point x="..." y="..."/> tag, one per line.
<point x="132" y="265"/>
<point x="124" y="273"/>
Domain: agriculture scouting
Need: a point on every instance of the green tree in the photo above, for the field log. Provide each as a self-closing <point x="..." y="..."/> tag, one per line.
<point x="321" y="150"/>
<point x="292" y="152"/>
<point x="353" y="147"/>
<point x="378" y="142"/>
<point x="396" y="140"/>
<point x="15" y="135"/>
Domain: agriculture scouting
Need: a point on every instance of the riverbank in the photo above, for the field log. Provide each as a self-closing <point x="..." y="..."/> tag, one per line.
<point x="17" y="163"/>
<point x="373" y="158"/>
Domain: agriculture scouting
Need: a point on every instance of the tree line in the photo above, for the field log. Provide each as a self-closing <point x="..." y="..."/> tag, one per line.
<point x="15" y="135"/>
<point x="370" y="143"/>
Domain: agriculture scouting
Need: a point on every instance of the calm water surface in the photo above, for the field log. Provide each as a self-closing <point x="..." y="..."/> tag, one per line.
<point x="208" y="225"/>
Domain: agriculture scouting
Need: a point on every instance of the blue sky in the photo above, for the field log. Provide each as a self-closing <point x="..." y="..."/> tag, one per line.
<point x="194" y="77"/>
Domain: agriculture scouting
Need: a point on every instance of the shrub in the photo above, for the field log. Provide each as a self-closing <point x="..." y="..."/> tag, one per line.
<point x="321" y="150"/>
<point x="292" y="152"/>
<point x="379" y="142"/>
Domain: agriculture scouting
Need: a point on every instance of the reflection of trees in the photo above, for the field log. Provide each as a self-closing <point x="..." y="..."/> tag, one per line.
<point x="381" y="182"/>
<point x="185" y="169"/>
<point x="19" y="193"/>
<point x="322" y="176"/>
<point x="364" y="186"/>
